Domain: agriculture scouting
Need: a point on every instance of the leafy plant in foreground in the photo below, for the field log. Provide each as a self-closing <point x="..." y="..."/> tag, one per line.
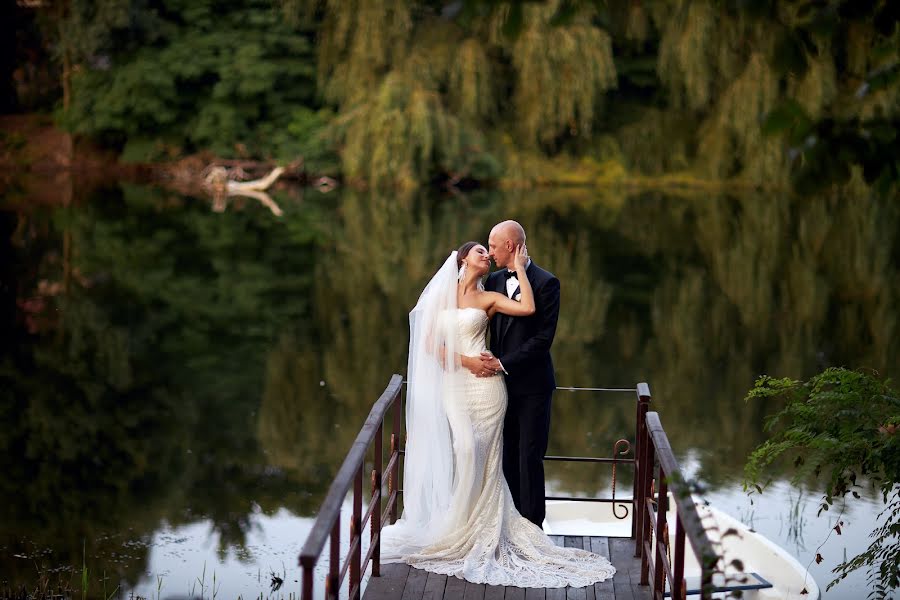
<point x="841" y="425"/>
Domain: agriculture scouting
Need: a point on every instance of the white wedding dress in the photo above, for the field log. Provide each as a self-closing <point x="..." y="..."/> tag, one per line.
<point x="478" y="535"/>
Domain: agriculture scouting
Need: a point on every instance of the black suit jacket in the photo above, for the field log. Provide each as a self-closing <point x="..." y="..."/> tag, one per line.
<point x="523" y="343"/>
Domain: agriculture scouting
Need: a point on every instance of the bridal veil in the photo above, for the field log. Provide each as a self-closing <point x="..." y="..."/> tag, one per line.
<point x="428" y="475"/>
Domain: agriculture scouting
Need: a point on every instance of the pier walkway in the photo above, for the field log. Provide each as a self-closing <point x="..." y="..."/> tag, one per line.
<point x="401" y="582"/>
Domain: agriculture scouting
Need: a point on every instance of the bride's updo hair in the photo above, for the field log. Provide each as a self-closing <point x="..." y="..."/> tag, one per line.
<point x="464" y="252"/>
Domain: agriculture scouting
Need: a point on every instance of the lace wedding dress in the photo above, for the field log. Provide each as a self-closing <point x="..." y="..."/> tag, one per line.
<point x="478" y="533"/>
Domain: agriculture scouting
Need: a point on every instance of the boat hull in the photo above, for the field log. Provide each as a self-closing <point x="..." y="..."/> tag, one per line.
<point x="757" y="554"/>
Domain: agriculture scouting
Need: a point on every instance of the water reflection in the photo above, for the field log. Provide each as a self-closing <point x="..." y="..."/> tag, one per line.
<point x="130" y="392"/>
<point x="171" y="366"/>
<point x="766" y="286"/>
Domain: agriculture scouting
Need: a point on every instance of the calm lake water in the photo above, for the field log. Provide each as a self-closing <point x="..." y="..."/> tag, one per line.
<point x="181" y="383"/>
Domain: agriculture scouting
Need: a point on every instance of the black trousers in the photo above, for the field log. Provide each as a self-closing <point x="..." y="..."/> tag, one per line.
<point x="526" y="430"/>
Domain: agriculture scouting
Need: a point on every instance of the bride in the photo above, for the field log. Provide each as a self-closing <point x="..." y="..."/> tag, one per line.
<point x="458" y="516"/>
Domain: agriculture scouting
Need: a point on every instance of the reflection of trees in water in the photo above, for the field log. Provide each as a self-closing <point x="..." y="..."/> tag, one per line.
<point x="211" y="333"/>
<point x="384" y="249"/>
<point x="708" y="294"/>
<point x="697" y="296"/>
<point x="138" y="407"/>
<point x="775" y="286"/>
<point x="301" y="428"/>
<point x="584" y="301"/>
<point x="92" y="446"/>
<point x="739" y="244"/>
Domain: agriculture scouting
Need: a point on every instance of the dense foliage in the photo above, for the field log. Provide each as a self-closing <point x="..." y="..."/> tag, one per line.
<point x="415" y="90"/>
<point x="172" y="77"/>
<point x="843" y="426"/>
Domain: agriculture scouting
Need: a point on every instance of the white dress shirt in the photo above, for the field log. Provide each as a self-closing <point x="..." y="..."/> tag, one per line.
<point x="512" y="283"/>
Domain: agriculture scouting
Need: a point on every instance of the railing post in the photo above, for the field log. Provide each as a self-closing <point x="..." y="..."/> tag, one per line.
<point x="678" y="588"/>
<point x="392" y="481"/>
<point x="394" y="478"/>
<point x="355" y="533"/>
<point x="641" y="471"/>
<point x="645" y="495"/>
<point x="306" y="591"/>
<point x="659" y="573"/>
<point x="332" y="589"/>
<point x="375" y="532"/>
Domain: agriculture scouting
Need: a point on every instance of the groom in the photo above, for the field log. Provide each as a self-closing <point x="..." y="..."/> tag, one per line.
<point x="521" y="349"/>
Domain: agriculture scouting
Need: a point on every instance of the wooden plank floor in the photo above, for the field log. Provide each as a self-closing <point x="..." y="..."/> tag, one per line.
<point x="401" y="582"/>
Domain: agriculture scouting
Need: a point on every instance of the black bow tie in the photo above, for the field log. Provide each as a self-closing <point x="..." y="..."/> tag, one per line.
<point x="511" y="274"/>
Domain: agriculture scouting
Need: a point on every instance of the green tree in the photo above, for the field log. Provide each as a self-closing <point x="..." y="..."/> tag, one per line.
<point x="196" y="75"/>
<point x="844" y="427"/>
<point x="74" y="31"/>
<point x="841" y="63"/>
<point x="404" y="93"/>
<point x="415" y="89"/>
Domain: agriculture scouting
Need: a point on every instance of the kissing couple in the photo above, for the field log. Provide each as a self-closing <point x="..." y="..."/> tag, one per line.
<point x="477" y="424"/>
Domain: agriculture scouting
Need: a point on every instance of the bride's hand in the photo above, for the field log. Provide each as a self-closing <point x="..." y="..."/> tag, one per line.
<point x="520" y="256"/>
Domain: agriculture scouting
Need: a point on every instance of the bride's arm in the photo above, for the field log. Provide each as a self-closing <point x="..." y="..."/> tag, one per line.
<point x="472" y="363"/>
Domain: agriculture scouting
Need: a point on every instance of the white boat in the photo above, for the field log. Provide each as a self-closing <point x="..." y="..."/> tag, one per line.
<point x="768" y="571"/>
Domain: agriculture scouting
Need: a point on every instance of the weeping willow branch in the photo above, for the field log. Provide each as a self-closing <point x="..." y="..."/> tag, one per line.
<point x="402" y="135"/>
<point x="359" y="41"/>
<point x="694" y="51"/>
<point x="562" y="73"/>
<point x="731" y="140"/>
<point x="471" y="82"/>
<point x="818" y="87"/>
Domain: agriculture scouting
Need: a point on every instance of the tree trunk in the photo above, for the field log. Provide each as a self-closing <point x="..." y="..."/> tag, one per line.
<point x="68" y="150"/>
<point x="9" y="20"/>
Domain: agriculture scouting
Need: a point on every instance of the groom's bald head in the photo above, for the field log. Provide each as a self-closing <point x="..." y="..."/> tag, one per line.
<point x="511" y="230"/>
<point x="503" y="240"/>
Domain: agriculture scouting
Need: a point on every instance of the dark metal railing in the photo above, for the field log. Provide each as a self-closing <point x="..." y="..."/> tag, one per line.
<point x="328" y="521"/>
<point x="621" y="449"/>
<point x="656" y="463"/>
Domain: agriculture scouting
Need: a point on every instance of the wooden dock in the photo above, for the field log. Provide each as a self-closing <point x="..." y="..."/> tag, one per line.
<point x="401" y="582"/>
<point x="656" y="473"/>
